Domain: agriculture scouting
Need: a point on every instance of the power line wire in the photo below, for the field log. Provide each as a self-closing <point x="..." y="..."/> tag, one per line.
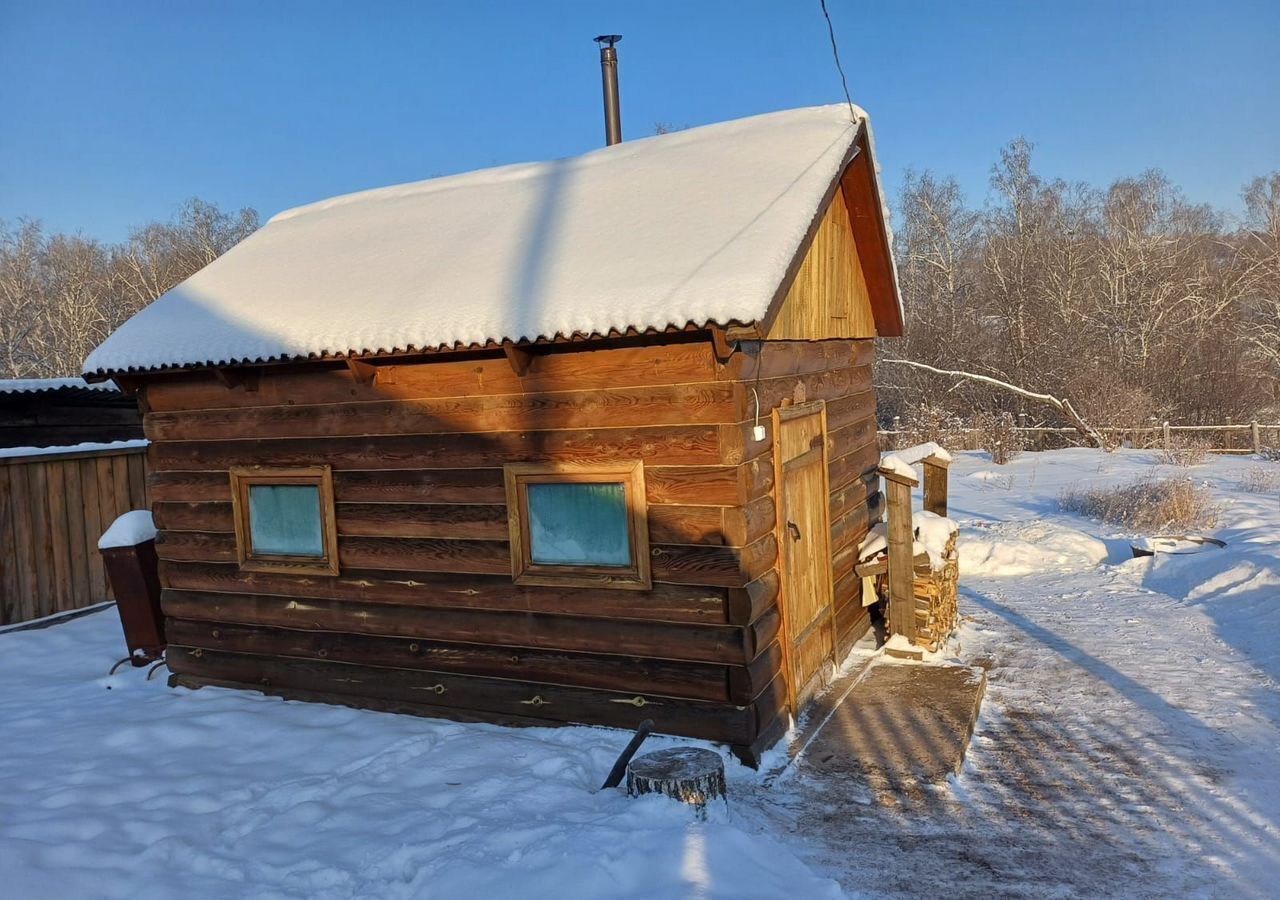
<point x="835" y="51"/>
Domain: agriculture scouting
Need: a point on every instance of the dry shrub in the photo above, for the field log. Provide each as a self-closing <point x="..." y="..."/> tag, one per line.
<point x="1261" y="480"/>
<point x="1271" y="454"/>
<point x="995" y="433"/>
<point x="931" y="422"/>
<point x="1148" y="504"/>
<point x="1106" y="399"/>
<point x="1185" y="452"/>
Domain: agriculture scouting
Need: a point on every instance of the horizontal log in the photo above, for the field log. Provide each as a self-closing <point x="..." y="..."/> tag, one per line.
<point x="734" y="526"/>
<point x="752" y="755"/>
<point x="477" y="696"/>
<point x="669" y="563"/>
<point x="664" y="602"/>
<point x="667" y="524"/>
<point x="721" y="566"/>
<point x="747" y="604"/>
<point x="850" y="410"/>
<point x="860" y="462"/>
<point x="852" y="622"/>
<point x="682" y="485"/>
<point x="846" y="590"/>
<point x="695" y="681"/>
<point x="673" y="446"/>
<point x="457" y="520"/>
<point x="613" y="407"/>
<point x="586" y="634"/>
<point x="830" y="385"/>
<point x="853" y="494"/>
<point x="852" y="527"/>
<point x="733" y="485"/>
<point x="464" y="375"/>
<point x="843" y="561"/>
<point x="762" y="632"/>
<point x="771" y="702"/>
<point x="772" y="359"/>
<point x="844" y="441"/>
<point x="748" y="682"/>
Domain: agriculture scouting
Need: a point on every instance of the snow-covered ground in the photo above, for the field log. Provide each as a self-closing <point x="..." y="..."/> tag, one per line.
<point x="1129" y="746"/>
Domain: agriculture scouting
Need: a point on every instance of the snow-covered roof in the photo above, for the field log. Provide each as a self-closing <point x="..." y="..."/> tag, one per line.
<point x="46" y="385"/>
<point x="692" y="227"/>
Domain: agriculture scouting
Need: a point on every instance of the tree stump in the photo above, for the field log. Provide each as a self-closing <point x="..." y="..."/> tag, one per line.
<point x="687" y="774"/>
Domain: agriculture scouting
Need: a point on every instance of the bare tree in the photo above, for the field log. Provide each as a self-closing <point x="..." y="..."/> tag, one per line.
<point x="61" y="295"/>
<point x="1131" y="301"/>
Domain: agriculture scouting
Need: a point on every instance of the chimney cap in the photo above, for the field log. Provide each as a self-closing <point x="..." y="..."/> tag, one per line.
<point x="610" y="39"/>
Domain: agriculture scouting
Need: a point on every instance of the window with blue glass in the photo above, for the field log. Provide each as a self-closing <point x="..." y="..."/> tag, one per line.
<point x="578" y="524"/>
<point x="284" y="519"/>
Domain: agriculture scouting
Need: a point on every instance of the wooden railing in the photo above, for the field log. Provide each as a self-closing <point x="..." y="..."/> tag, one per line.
<point x="1250" y="437"/>
<point x="53" y="508"/>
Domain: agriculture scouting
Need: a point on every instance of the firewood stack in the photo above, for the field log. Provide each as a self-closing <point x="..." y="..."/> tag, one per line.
<point x="935" y="594"/>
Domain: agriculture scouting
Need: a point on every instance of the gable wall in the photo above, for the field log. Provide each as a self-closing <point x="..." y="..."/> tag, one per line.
<point x="829" y="297"/>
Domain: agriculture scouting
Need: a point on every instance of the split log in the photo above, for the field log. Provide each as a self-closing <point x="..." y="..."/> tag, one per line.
<point x="688" y="774"/>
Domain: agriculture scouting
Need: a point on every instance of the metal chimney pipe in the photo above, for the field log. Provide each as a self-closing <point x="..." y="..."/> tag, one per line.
<point x="609" y="75"/>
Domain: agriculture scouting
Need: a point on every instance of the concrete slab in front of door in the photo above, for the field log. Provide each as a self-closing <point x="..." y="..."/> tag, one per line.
<point x="896" y="726"/>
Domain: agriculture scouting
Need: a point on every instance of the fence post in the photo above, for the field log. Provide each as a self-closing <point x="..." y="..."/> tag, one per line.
<point x="1168" y="444"/>
<point x="1022" y="420"/>
<point x="1257" y="436"/>
<point x="935" y="485"/>
<point x="901" y="540"/>
<point x="897" y="427"/>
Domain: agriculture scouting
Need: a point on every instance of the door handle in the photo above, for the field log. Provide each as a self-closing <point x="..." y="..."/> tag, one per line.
<point x="793" y="530"/>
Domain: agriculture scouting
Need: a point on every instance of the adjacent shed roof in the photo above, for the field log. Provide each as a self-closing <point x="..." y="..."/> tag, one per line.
<point x="65" y="386"/>
<point x="689" y="228"/>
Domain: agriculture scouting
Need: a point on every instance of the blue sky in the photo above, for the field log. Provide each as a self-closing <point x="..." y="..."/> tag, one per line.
<point x="113" y="113"/>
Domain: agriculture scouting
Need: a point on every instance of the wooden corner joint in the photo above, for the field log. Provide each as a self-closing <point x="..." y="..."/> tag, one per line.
<point x="519" y="358"/>
<point x="232" y="378"/>
<point x="721" y="345"/>
<point x="363" y="372"/>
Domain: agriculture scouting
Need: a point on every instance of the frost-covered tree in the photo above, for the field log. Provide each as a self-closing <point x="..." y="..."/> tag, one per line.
<point x="61" y="295"/>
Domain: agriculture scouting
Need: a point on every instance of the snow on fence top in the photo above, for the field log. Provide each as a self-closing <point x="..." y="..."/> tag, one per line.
<point x="45" y="385"/>
<point x="697" y="226"/>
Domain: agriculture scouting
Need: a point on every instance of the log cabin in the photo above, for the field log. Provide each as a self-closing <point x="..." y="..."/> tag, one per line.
<point x="585" y="441"/>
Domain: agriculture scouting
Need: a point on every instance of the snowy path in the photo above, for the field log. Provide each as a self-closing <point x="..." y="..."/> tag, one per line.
<point x="1124" y="748"/>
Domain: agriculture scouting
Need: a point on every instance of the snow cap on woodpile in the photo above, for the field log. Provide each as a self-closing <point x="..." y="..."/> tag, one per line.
<point x="695" y="227"/>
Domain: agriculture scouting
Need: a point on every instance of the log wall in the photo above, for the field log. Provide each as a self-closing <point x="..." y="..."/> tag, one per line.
<point x="59" y="418"/>
<point x="424" y="615"/>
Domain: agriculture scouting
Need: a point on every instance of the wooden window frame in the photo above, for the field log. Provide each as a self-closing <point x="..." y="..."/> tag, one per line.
<point x="525" y="571"/>
<point x="244" y="477"/>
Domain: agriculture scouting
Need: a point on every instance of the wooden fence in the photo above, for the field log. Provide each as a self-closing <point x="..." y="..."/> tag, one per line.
<point x="1239" y="439"/>
<point x="53" y="509"/>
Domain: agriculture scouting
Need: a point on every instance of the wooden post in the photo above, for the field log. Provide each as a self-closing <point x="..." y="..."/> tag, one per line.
<point x="1257" y="436"/>
<point x="901" y="539"/>
<point x="935" y="485"/>
<point x="1168" y="444"/>
<point x="897" y="426"/>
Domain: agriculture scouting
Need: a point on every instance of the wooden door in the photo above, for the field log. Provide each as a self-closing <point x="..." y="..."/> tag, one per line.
<point x="804" y="536"/>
